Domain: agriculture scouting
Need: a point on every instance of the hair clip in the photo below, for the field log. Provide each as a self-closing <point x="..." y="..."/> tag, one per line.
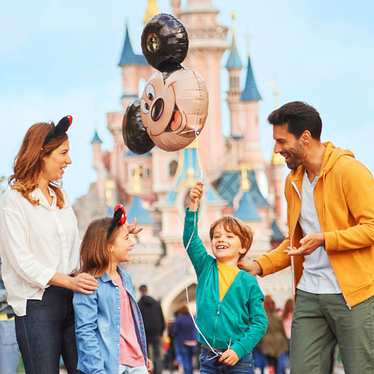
<point x="60" y="129"/>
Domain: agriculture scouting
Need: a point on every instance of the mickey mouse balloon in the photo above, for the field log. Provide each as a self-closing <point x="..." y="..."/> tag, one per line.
<point x="165" y="42"/>
<point x="174" y="104"/>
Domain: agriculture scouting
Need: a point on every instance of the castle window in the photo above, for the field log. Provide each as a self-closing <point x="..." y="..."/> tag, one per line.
<point x="173" y="166"/>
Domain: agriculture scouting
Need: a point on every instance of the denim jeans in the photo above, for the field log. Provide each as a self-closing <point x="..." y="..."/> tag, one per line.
<point x="123" y="369"/>
<point x="47" y="332"/>
<point x="209" y="364"/>
<point x="9" y="352"/>
<point x="184" y="354"/>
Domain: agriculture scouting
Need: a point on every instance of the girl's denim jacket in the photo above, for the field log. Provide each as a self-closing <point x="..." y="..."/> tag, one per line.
<point x="97" y="326"/>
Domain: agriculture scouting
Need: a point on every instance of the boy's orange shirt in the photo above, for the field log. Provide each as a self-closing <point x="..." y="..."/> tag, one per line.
<point x="226" y="276"/>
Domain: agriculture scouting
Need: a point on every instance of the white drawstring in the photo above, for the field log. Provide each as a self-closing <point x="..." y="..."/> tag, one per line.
<point x="188" y="300"/>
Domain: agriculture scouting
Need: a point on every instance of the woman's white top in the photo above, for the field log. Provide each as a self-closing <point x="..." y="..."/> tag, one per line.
<point x="36" y="241"/>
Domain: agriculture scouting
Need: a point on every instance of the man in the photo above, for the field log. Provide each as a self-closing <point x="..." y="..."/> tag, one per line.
<point x="154" y="325"/>
<point x="330" y="245"/>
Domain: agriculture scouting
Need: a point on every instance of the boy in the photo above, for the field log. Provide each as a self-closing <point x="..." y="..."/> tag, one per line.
<point x="230" y="312"/>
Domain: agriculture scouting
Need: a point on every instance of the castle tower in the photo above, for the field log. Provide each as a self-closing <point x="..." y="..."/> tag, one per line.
<point x="250" y="98"/>
<point x="234" y="67"/>
<point x="98" y="165"/>
<point x="207" y="45"/>
<point x="134" y="68"/>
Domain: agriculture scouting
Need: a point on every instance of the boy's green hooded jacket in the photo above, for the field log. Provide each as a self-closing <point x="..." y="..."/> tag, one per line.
<point x="238" y="321"/>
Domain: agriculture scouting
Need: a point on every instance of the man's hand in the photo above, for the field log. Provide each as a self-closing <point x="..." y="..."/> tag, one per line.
<point x="251" y="267"/>
<point x="309" y="243"/>
<point x="195" y="195"/>
<point x="229" y="357"/>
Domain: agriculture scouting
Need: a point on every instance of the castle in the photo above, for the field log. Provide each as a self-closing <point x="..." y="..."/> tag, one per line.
<point x="153" y="186"/>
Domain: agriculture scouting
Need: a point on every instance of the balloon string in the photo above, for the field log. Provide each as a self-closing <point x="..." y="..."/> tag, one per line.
<point x="216" y="353"/>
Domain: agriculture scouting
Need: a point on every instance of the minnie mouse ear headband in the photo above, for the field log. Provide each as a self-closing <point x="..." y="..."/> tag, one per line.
<point x="60" y="129"/>
<point x="119" y="218"/>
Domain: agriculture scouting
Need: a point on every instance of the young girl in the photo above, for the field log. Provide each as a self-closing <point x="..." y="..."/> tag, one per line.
<point x="108" y="323"/>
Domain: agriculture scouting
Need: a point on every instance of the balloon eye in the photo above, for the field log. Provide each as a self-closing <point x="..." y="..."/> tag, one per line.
<point x="153" y="43"/>
<point x="150" y="92"/>
<point x="157" y="109"/>
<point x="144" y="107"/>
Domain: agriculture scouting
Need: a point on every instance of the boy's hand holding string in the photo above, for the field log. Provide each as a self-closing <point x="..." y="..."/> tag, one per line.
<point x="195" y="196"/>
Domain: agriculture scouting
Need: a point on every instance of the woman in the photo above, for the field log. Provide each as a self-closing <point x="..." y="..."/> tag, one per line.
<point x="39" y="246"/>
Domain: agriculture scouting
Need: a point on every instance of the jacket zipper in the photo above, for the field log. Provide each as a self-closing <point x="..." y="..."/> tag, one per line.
<point x="215" y="323"/>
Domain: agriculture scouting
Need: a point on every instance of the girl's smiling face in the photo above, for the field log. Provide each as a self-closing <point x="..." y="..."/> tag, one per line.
<point x="122" y="245"/>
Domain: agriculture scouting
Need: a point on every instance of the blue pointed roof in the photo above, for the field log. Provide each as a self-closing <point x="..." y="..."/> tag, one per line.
<point x="276" y="233"/>
<point x="128" y="57"/>
<point x="234" y="61"/>
<point x="137" y="211"/>
<point x="258" y="197"/>
<point x="250" y="92"/>
<point x="247" y="209"/>
<point x="96" y="138"/>
<point x="228" y="187"/>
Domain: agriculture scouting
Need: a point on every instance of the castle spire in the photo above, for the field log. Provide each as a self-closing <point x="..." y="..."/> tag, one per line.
<point x="233" y="61"/>
<point x="250" y="92"/>
<point x="128" y="57"/>
<point x="151" y="10"/>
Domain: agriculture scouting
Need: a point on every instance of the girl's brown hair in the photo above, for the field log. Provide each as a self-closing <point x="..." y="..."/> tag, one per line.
<point x="95" y="255"/>
<point x="238" y="228"/>
<point x="29" y="162"/>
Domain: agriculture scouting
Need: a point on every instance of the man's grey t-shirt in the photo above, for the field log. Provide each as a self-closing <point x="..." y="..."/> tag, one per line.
<point x="318" y="276"/>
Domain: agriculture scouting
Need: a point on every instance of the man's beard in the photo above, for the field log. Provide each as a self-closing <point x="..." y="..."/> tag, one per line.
<point x="295" y="158"/>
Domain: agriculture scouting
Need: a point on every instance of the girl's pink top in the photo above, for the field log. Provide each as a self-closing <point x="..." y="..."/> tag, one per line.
<point x="130" y="351"/>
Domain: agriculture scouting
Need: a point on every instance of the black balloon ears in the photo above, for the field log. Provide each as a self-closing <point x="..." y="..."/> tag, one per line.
<point x="134" y="133"/>
<point x="60" y="129"/>
<point x="165" y="42"/>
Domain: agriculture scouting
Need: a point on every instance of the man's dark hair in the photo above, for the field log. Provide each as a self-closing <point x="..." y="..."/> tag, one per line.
<point x="299" y="117"/>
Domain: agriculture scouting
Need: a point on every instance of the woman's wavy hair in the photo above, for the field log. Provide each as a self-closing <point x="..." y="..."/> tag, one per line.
<point x="95" y="255"/>
<point x="29" y="162"/>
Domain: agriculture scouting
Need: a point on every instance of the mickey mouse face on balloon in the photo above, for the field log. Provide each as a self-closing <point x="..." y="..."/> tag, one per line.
<point x="174" y="109"/>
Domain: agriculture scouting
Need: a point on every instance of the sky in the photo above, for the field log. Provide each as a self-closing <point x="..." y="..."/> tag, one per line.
<point x="60" y="57"/>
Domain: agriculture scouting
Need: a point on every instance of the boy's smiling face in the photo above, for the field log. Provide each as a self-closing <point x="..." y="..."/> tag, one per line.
<point x="226" y="246"/>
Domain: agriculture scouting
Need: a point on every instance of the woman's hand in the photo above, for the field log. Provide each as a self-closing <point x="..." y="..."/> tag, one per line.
<point x="81" y="282"/>
<point x="195" y="195"/>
